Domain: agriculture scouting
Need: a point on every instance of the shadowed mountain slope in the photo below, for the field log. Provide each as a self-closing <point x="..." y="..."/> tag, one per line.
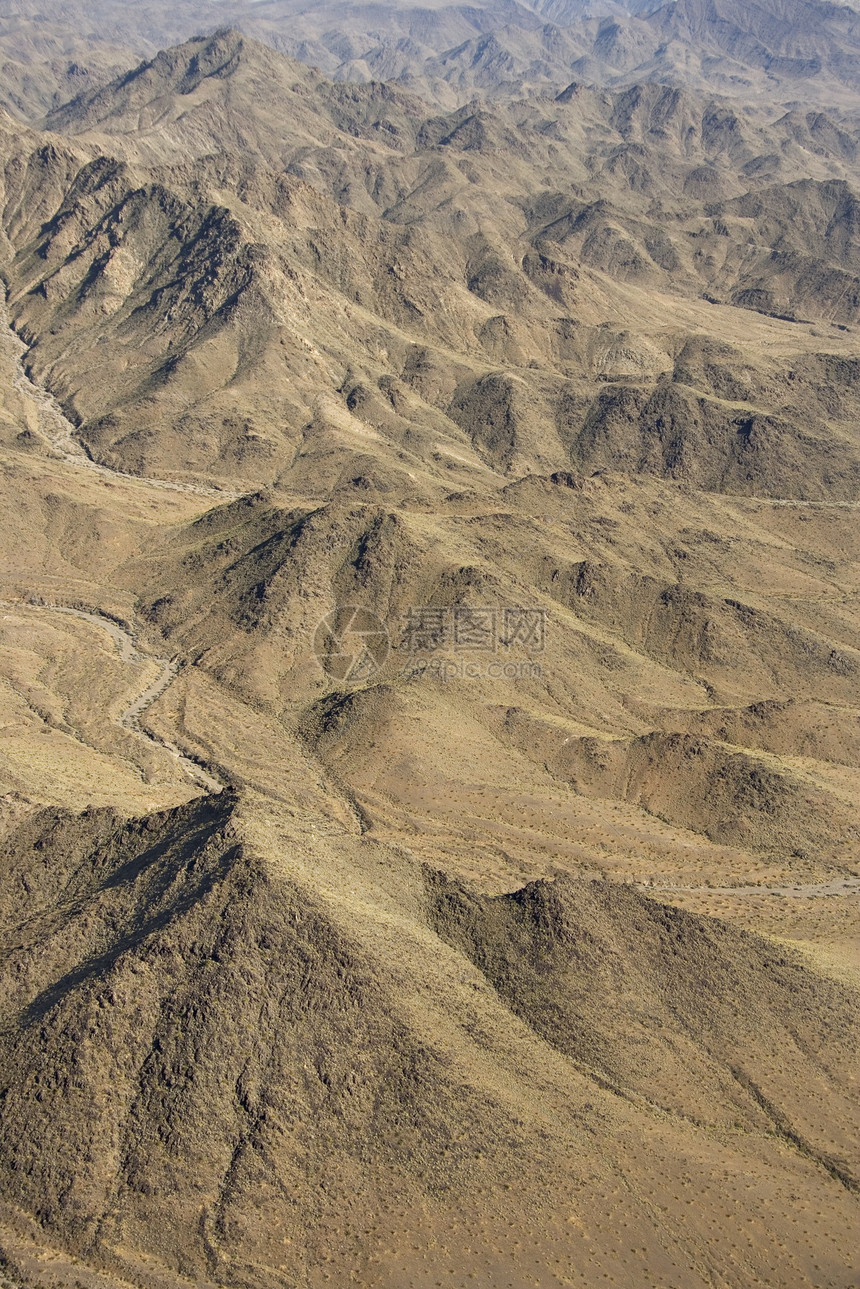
<point x="283" y="1103"/>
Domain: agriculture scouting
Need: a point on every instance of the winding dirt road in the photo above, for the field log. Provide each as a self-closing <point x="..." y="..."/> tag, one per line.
<point x="58" y="434"/>
<point x="129" y="718"/>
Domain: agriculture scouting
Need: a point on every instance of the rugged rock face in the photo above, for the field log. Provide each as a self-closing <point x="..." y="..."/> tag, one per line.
<point x="229" y="1072"/>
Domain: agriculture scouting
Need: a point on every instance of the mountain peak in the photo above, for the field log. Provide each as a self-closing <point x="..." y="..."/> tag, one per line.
<point x="139" y="97"/>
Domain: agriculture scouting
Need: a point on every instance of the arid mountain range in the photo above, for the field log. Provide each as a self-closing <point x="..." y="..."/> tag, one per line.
<point x="790" y="51"/>
<point x="430" y="836"/>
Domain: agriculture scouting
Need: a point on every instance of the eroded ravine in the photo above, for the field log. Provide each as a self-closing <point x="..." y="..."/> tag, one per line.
<point x="58" y="433"/>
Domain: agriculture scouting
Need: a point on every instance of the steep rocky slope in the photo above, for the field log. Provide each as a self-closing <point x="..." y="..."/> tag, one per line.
<point x="246" y="1089"/>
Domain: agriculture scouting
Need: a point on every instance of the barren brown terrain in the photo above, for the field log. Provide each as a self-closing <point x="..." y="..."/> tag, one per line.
<point x="430" y="641"/>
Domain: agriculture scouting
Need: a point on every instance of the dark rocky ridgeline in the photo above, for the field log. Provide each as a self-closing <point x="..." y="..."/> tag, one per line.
<point x="683" y="1011"/>
<point x="196" y="1063"/>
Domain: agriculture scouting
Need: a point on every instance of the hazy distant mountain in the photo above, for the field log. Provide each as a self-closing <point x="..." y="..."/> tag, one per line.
<point x="449" y="52"/>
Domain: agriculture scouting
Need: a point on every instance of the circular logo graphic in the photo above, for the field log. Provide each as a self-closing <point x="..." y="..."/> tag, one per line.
<point x="351" y="644"/>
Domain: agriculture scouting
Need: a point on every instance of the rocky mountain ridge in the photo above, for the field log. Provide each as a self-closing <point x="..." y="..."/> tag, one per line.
<point x="390" y="216"/>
